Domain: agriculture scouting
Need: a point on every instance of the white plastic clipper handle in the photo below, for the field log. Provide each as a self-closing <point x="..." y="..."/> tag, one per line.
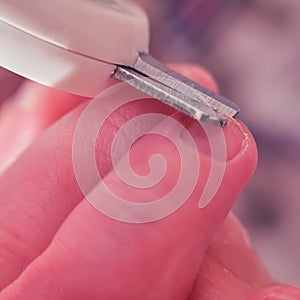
<point x="72" y="45"/>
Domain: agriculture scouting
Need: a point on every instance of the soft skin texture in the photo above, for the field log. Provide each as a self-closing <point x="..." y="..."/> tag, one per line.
<point x="55" y="245"/>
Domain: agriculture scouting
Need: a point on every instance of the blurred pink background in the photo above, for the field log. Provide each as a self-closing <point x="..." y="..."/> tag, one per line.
<point x="253" y="49"/>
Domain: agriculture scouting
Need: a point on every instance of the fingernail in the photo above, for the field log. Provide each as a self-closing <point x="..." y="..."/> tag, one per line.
<point x="237" y="138"/>
<point x="220" y="144"/>
<point x="277" y="292"/>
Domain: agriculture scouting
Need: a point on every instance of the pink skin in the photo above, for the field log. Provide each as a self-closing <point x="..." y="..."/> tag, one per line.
<point x="55" y="245"/>
<point x="32" y="116"/>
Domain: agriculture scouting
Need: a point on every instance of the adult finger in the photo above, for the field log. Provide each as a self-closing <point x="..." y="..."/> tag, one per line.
<point x="276" y="292"/>
<point x="230" y="269"/>
<point x="9" y="83"/>
<point x="26" y="114"/>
